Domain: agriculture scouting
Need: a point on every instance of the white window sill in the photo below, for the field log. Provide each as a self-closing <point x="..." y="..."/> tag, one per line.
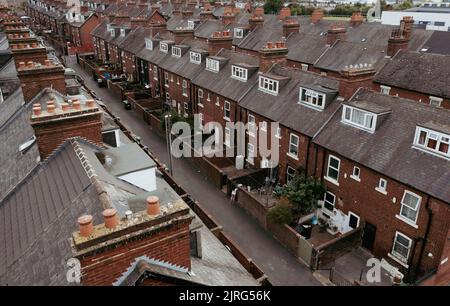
<point x="381" y="190"/>
<point x="292" y="156"/>
<point x="278" y="137"/>
<point x="200" y="105"/>
<point x="226" y="119"/>
<point x="356" y="178"/>
<point x="167" y="85"/>
<point x="396" y="259"/>
<point x="331" y="180"/>
<point x="185" y="95"/>
<point x="251" y="162"/>
<point x="251" y="134"/>
<point x="407" y="221"/>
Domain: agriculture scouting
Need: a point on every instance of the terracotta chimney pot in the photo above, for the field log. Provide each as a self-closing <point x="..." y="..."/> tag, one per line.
<point x="47" y="62"/>
<point x="50" y="108"/>
<point x="76" y="105"/>
<point x="86" y="225"/>
<point x="65" y="107"/>
<point x="21" y="65"/>
<point x="90" y="103"/>
<point x="37" y="110"/>
<point x="110" y="218"/>
<point x="152" y="205"/>
<point x="30" y="64"/>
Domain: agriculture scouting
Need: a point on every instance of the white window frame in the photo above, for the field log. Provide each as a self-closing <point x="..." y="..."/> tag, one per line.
<point x="176" y="52"/>
<point x="356" y="177"/>
<point x="328" y="177"/>
<point x="227" y="137"/>
<point x="439" y="137"/>
<point x="278" y="133"/>
<point x="186" y="108"/>
<point x="212" y="65"/>
<point x="435" y="101"/>
<point x="112" y="32"/>
<point x="268" y="85"/>
<point x="200" y="97"/>
<point x="366" y="115"/>
<point x="397" y="256"/>
<point x="239" y="73"/>
<point x="155" y="72"/>
<point x="380" y="187"/>
<point x="324" y="208"/>
<point x="191" y="24"/>
<point x="195" y="57"/>
<point x="227" y="109"/>
<point x="291" y="144"/>
<point x="311" y="98"/>
<point x="166" y="78"/>
<point x="404" y="218"/>
<point x="122" y="32"/>
<point x="238" y="33"/>
<point x="251" y="157"/>
<point x="264" y="126"/>
<point x="385" y="90"/>
<point x="304" y="67"/>
<point x="288" y="179"/>
<point x="350" y="213"/>
<point x="164" y="47"/>
<point x="251" y="124"/>
<point x="184" y="88"/>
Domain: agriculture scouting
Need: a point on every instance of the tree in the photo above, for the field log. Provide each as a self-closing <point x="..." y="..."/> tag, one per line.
<point x="406" y="4"/>
<point x="272" y="6"/>
<point x="304" y="193"/>
<point x="281" y="214"/>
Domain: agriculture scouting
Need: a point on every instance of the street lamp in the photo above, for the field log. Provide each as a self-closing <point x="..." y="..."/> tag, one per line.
<point x="168" y="122"/>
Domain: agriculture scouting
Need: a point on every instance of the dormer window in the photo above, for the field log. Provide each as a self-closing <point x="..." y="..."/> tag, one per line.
<point x="238" y="33"/>
<point x="268" y="85"/>
<point x="312" y="98"/>
<point x="176" y="52"/>
<point x="191" y="24"/>
<point x="195" y="57"/>
<point x="432" y="141"/>
<point x="122" y="32"/>
<point x="164" y="47"/>
<point x="112" y="32"/>
<point x="212" y="65"/>
<point x="239" y="73"/>
<point x="148" y="44"/>
<point x="359" y="118"/>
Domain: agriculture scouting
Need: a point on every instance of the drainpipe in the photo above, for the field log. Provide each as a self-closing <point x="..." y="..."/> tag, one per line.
<point x="424" y="239"/>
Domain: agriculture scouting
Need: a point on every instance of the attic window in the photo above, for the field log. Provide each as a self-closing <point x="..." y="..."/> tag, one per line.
<point x="176" y="52"/>
<point x="312" y="98"/>
<point x="164" y="47"/>
<point x="239" y="73"/>
<point x="268" y="85"/>
<point x="112" y="32"/>
<point x="122" y="32"/>
<point x="238" y="33"/>
<point x="195" y="57"/>
<point x="212" y="65"/>
<point x="27" y="145"/>
<point x="432" y="141"/>
<point x="359" y="118"/>
<point x="191" y="24"/>
<point x="148" y="44"/>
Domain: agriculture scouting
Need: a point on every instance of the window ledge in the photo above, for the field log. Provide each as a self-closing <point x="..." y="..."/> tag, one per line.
<point x="331" y="180"/>
<point x="226" y="119"/>
<point x="185" y="95"/>
<point x="398" y="260"/>
<point x="200" y="105"/>
<point x="251" y="134"/>
<point x="358" y="179"/>
<point x="292" y="156"/>
<point x="381" y="190"/>
<point x="251" y="162"/>
<point x="407" y="221"/>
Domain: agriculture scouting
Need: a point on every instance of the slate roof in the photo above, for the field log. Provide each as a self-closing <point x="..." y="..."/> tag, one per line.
<point x="285" y="109"/>
<point x="305" y="48"/>
<point x="222" y="83"/>
<point x="421" y="72"/>
<point x="39" y="216"/>
<point x="389" y="149"/>
<point x="135" y="40"/>
<point x="438" y="42"/>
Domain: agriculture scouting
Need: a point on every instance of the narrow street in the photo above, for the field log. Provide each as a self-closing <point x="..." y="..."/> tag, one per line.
<point x="281" y="267"/>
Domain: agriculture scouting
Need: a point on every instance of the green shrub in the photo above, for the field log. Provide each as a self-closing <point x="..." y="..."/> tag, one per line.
<point x="281" y="214"/>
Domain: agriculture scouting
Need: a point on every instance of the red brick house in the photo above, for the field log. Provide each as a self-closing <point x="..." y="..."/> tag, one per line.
<point x="80" y="32"/>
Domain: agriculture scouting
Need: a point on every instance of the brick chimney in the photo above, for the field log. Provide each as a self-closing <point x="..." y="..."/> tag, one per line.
<point x="111" y="249"/>
<point x="181" y="34"/>
<point x="187" y="13"/>
<point x="284" y="13"/>
<point x="257" y="18"/>
<point x="219" y="40"/>
<point x="25" y="52"/>
<point x="290" y="26"/>
<point x="206" y="13"/>
<point x="356" y="19"/>
<point x="139" y="21"/>
<point x="272" y="53"/>
<point x="191" y="5"/>
<point x="400" y="37"/>
<point x="177" y="7"/>
<point x="57" y="123"/>
<point x="34" y="77"/>
<point x="228" y="18"/>
<point x="316" y="16"/>
<point x="354" y="76"/>
<point x="335" y="33"/>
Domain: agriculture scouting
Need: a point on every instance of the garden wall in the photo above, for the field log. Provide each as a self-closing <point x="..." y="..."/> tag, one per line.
<point x="252" y="206"/>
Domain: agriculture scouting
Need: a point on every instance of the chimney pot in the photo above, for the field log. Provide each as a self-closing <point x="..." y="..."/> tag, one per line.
<point x="47" y="62"/>
<point x="76" y="105"/>
<point x="30" y="64"/>
<point x="86" y="226"/>
<point x="65" y="107"/>
<point x="37" y="110"/>
<point x="90" y="103"/>
<point x="110" y="218"/>
<point x="21" y="65"/>
<point x="152" y="205"/>
<point x="50" y="108"/>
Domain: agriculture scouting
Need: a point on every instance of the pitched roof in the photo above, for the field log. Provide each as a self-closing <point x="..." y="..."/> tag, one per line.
<point x="389" y="150"/>
<point x="421" y="72"/>
<point x="438" y="42"/>
<point x="285" y="109"/>
<point x="135" y="40"/>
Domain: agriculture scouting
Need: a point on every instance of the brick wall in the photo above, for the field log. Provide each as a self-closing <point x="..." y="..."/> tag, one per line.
<point x="252" y="206"/>
<point x="170" y="244"/>
<point x="34" y="80"/>
<point x="175" y="91"/>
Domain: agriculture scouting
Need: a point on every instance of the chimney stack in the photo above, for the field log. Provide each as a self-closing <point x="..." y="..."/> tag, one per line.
<point x="228" y="18"/>
<point x="400" y="37"/>
<point x="272" y="53"/>
<point x="335" y="33"/>
<point x="356" y="19"/>
<point x="284" y="13"/>
<point x="354" y="76"/>
<point x="219" y="40"/>
<point x="153" y="206"/>
<point x="86" y="226"/>
<point x="206" y="13"/>
<point x="290" y="26"/>
<point x="257" y="18"/>
<point x="317" y="15"/>
<point x="181" y="34"/>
